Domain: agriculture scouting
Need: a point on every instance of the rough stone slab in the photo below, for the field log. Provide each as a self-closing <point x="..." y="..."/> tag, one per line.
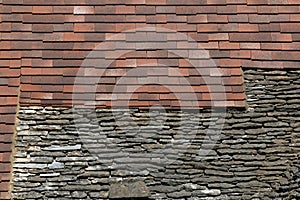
<point x="128" y="190"/>
<point x="63" y="148"/>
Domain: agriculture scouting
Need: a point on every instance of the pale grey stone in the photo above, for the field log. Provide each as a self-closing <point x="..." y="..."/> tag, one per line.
<point x="31" y="166"/>
<point x="56" y="165"/>
<point x="63" y="148"/>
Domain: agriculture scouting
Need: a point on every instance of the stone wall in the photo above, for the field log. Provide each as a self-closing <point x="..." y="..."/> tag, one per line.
<point x="64" y="153"/>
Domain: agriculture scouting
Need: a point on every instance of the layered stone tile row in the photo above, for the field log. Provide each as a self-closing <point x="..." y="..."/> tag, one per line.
<point x="68" y="153"/>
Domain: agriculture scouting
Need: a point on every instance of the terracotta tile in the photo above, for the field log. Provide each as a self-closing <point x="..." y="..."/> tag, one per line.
<point x="267" y="9"/>
<point x="248" y="28"/>
<point x="293" y="2"/>
<point x="73" y="37"/>
<point x="186" y="10"/>
<point x="187" y="27"/>
<point x="285" y="55"/>
<point x="261" y="55"/>
<point x="246" y="9"/>
<point x="233" y="80"/>
<point x="5" y="195"/>
<point x="7" y="119"/>
<point x="294" y="18"/>
<point x="257" y="2"/>
<point x="64" y="9"/>
<point x="156" y="19"/>
<point x="271" y="46"/>
<point x="20" y="9"/>
<point x="239" y="18"/>
<point x="199" y="18"/>
<point x="291" y="65"/>
<point x="245" y="45"/>
<point x="229" y="62"/>
<point x="235" y="72"/>
<point x="241" y="104"/>
<point x="291" y="46"/>
<point x="32" y="2"/>
<point x="251" y="64"/>
<point x="296" y="37"/>
<point x="6" y="27"/>
<point x="135" y="18"/>
<point x="165" y="9"/>
<point x="74" y="18"/>
<point x="209" y="45"/>
<point x="14" y="82"/>
<point x="42" y="9"/>
<point x="290" y="27"/>
<point x="229" y="45"/>
<point x="217" y="28"/>
<point x="125" y="10"/>
<point x="84" y="27"/>
<point x="212" y="18"/>
<point x="208" y="9"/>
<point x="237" y="88"/>
<point x="216" y="2"/>
<point x="42" y="28"/>
<point x="52" y="71"/>
<point x="4" y="147"/>
<point x="185" y="2"/>
<point x="235" y="96"/>
<point x="228" y="9"/>
<point x="250" y="37"/>
<point x="219" y="54"/>
<point x="178" y="19"/>
<point x="240" y="54"/>
<point x="273" y="27"/>
<point x="5" y="45"/>
<point x="43" y="18"/>
<point x="218" y="36"/>
<point x="155" y="2"/>
<point x="272" y="64"/>
<point x="148" y="97"/>
<point x="280" y="37"/>
<point x="277" y="2"/>
<point x="8" y="110"/>
<point x="135" y="2"/>
<point x="236" y="2"/>
<point x="83" y="10"/>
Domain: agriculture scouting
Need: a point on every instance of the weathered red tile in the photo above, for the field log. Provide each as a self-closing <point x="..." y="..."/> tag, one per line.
<point x="250" y="37"/>
<point x="78" y="10"/>
<point x="248" y="28"/>
<point x="42" y="9"/>
<point x="229" y="45"/>
<point x="290" y="27"/>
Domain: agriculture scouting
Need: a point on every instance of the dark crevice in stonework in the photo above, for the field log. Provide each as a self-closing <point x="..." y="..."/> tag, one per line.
<point x="62" y="153"/>
<point x="134" y="198"/>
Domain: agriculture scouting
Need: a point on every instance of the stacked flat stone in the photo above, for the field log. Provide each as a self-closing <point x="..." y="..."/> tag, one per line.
<point x="256" y="156"/>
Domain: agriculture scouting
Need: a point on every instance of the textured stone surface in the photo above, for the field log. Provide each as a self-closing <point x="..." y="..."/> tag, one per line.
<point x="256" y="156"/>
<point x="128" y="189"/>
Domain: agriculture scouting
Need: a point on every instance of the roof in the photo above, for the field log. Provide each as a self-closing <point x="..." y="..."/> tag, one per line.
<point x="44" y="43"/>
